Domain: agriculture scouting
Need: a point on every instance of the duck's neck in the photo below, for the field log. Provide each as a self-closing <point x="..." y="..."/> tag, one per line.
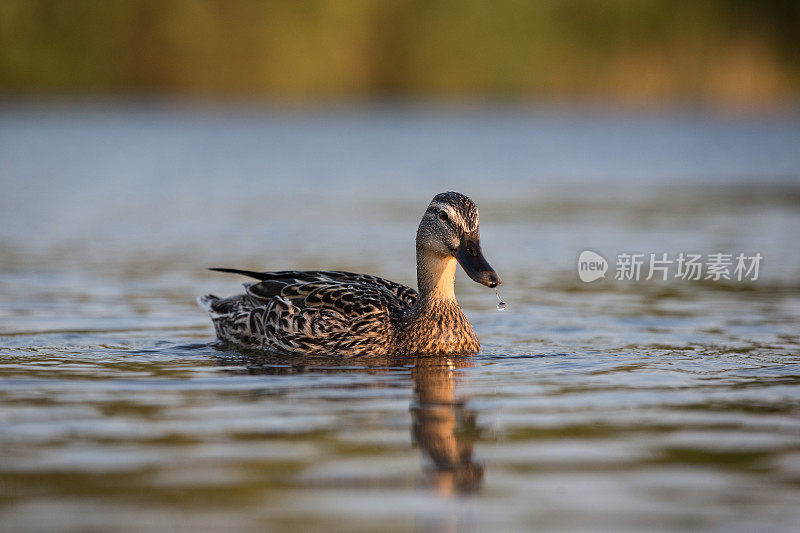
<point x="436" y="276"/>
<point x="435" y="323"/>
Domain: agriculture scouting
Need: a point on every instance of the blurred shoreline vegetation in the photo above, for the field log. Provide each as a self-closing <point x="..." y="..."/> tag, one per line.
<point x="648" y="52"/>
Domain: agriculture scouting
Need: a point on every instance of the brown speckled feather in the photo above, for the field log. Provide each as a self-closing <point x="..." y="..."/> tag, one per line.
<point x="317" y="312"/>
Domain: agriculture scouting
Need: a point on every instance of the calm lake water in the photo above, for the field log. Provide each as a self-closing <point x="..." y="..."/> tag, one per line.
<point x="613" y="405"/>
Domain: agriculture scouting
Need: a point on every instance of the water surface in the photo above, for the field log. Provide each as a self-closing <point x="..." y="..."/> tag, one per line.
<point x="605" y="406"/>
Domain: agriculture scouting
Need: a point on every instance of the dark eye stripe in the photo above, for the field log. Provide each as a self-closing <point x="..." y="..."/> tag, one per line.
<point x="435" y="210"/>
<point x="455" y="227"/>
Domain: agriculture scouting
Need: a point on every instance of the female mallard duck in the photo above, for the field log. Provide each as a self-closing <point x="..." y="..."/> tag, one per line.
<point x="346" y="314"/>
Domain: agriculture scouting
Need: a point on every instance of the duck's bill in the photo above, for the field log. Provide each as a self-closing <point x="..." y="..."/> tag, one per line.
<point x="470" y="257"/>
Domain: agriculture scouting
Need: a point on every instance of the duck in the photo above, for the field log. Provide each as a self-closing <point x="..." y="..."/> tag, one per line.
<point x="345" y="314"/>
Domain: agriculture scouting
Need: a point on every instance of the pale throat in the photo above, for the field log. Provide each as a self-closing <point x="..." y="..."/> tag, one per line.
<point x="436" y="276"/>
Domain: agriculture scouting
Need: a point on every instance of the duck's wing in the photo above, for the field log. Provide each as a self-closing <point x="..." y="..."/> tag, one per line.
<point x="273" y="282"/>
<point x="320" y="312"/>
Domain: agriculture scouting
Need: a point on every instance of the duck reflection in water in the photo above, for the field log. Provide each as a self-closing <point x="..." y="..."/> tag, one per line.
<point x="443" y="427"/>
<point x="441" y="424"/>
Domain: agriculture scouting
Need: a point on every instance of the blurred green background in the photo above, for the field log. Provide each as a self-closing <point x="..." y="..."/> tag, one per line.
<point x="720" y="52"/>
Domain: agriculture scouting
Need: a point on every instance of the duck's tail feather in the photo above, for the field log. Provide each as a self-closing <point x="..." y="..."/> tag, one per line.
<point x="250" y="273"/>
<point x="207" y="302"/>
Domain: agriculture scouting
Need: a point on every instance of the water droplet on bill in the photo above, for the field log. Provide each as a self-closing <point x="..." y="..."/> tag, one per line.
<point x="501" y="305"/>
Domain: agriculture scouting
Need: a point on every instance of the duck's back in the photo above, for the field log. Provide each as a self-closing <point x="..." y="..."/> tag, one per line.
<point x="312" y="312"/>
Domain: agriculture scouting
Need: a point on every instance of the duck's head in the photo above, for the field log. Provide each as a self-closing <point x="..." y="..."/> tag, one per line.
<point x="449" y="228"/>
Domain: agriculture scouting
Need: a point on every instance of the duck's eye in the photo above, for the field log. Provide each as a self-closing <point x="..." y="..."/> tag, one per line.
<point x="443" y="215"/>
